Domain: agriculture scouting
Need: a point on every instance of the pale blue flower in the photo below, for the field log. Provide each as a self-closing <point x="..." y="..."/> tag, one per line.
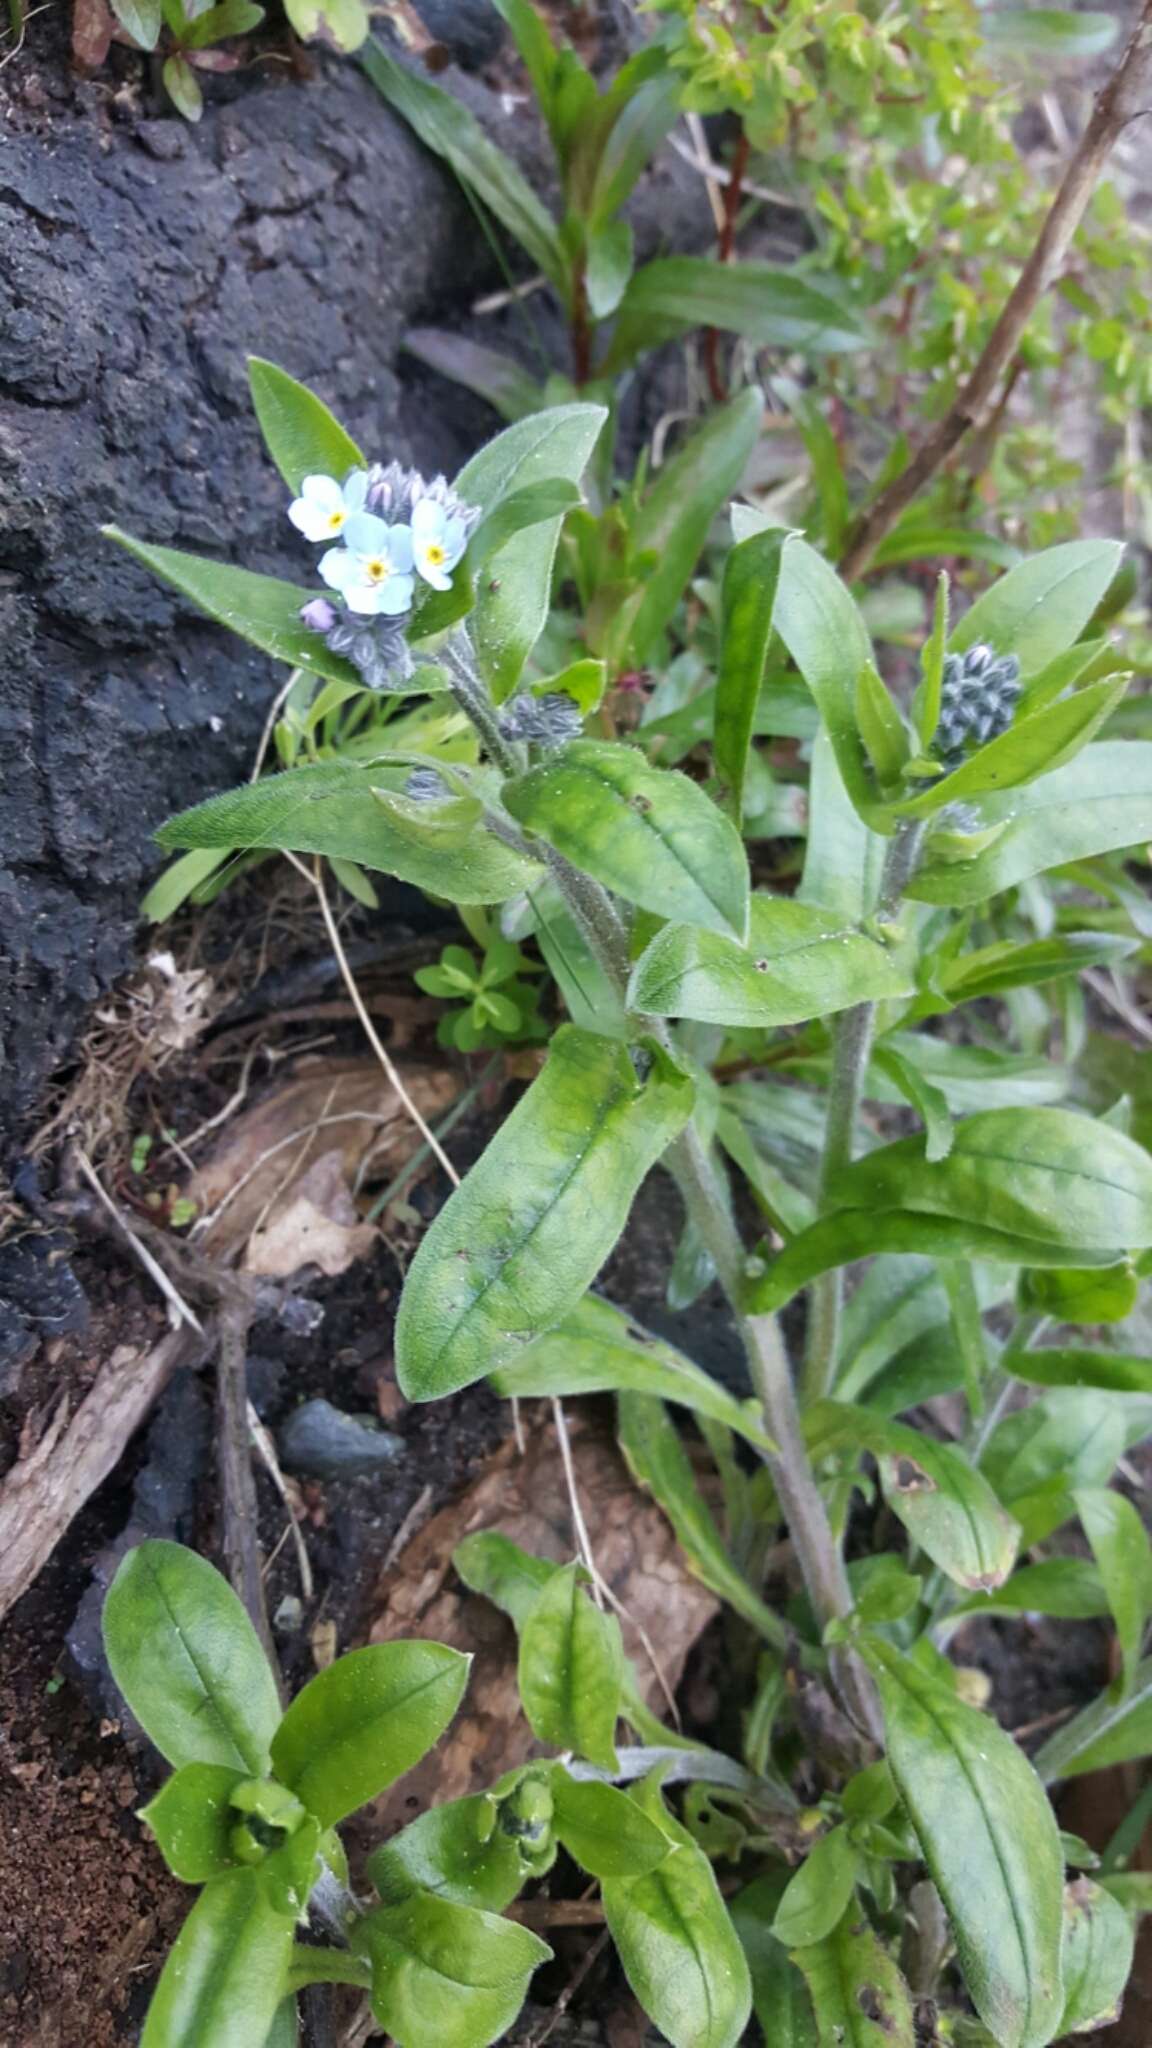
<point x="439" y="538"/>
<point x="324" y="507"/>
<point x="373" y="573"/>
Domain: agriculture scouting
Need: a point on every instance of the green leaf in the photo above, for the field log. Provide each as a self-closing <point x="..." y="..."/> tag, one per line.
<point x="989" y="1838"/>
<point x="571" y="1669"/>
<point x="344" y="23"/>
<point x="284" y="2031"/>
<point x="225" y="1978"/>
<point x="458" y="1851"/>
<point x="518" y="512"/>
<point x="828" y="640"/>
<point x="880" y="726"/>
<point x="1042" y="1173"/>
<point x="677" y="1945"/>
<point x="182" y="87"/>
<point x="1108" y="1295"/>
<point x="216" y="24"/>
<point x="178" y="882"/>
<point x="446" y="127"/>
<point x="596" y="1350"/>
<point x="1068" y="1587"/>
<point x="1123" y="1556"/>
<point x="505" y="385"/>
<point x="1099" y="1944"/>
<point x="1100" y="801"/>
<point x="799" y="962"/>
<point x="638" y="109"/>
<point x="1062" y="1367"/>
<point x="300" y="433"/>
<point x="260" y="609"/>
<point x="142" y="19"/>
<point x="538" y="52"/>
<point x="926" y="700"/>
<point x="1043" y="605"/>
<point x="333" y="809"/>
<point x="191" y="1817"/>
<point x="852" y="1234"/>
<point x="818" y="1894"/>
<point x="495" y="1567"/>
<point x="515" y="590"/>
<point x="750" y="576"/>
<point x="1069" y="1437"/>
<point x="1110" y="1731"/>
<point x="992" y="969"/>
<point x="608" y="267"/>
<point x="519" y="1243"/>
<point x="363" y="1722"/>
<point x="188" y="1660"/>
<point x="773" y="307"/>
<point x="607" y="1833"/>
<point x="859" y="1996"/>
<point x="843" y="859"/>
<point x="779" y="1994"/>
<point x="1034" y="746"/>
<point x="948" y="1508"/>
<point x="1055" y="34"/>
<point x="446" y="1976"/>
<point x="929" y="1102"/>
<point x="648" y="833"/>
<point x="672" y="523"/>
<point x="659" y="1462"/>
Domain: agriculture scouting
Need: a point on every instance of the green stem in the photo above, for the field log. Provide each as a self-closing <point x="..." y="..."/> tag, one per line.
<point x="326" y="1966"/>
<point x="852" y="1035"/>
<point x="476" y="704"/>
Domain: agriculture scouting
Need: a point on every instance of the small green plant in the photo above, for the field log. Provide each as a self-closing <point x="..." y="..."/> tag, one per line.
<point x="500" y="1005"/>
<point x="188" y="37"/>
<point x="983" y="842"/>
<point x="251" y="1810"/>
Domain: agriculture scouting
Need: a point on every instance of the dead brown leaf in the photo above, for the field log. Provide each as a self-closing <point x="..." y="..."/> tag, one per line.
<point x="525" y="1498"/>
<point x="318" y="1224"/>
<point x="342" y="1108"/>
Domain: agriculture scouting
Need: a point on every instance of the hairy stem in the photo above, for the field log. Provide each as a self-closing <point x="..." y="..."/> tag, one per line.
<point x="1118" y="104"/>
<point x="852" y="1036"/>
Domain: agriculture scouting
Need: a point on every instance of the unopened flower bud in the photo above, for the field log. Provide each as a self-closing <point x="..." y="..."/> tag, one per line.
<point x="551" y="720"/>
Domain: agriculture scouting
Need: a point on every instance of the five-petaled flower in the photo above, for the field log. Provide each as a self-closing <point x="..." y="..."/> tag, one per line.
<point x="373" y="573"/>
<point x="324" y="507"/>
<point x="438" y="541"/>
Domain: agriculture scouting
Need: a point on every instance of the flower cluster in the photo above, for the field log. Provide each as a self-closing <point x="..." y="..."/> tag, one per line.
<point x="978" y="700"/>
<point x="551" y="720"/>
<point x="388" y="526"/>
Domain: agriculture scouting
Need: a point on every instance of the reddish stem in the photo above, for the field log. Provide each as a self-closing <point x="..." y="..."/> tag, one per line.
<point x="717" y="383"/>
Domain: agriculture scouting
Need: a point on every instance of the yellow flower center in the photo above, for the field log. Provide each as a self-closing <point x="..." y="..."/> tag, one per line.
<point x="335" y="521"/>
<point x="377" y="568"/>
<point x="434" y="554"/>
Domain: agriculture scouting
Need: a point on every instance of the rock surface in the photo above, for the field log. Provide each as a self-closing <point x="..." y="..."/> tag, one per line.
<point x="328" y="1444"/>
<point x="137" y="268"/>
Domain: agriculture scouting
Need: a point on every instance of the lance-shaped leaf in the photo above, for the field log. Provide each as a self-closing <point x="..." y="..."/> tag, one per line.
<point x="596" y="1350"/>
<point x="677" y="1945"/>
<point x="770" y="306"/>
<point x="1040" y="607"/>
<point x="515" y="587"/>
<point x="1033" y="746"/>
<point x="227" y="1974"/>
<point x="188" y="1660"/>
<point x="364" y="1721"/>
<point x="1099" y="1943"/>
<point x="991" y="969"/>
<point x="520" y="1242"/>
<point x="1100" y="801"/>
<point x="1123" y="1556"/>
<point x="824" y="633"/>
<point x="1115" y="1371"/>
<point x="799" y="962"/>
<point x="1111" y="1731"/>
<point x="989" y="1838"/>
<point x="750" y="577"/>
<point x="446" y="1976"/>
<point x="780" y="1996"/>
<point x="858" y="1994"/>
<point x="507" y="386"/>
<point x="333" y="809"/>
<point x="299" y="432"/>
<point x="1070" y="1587"/>
<point x="656" y="1455"/>
<point x="650" y="834"/>
<point x="947" y="1507"/>
<point x="818" y="1894"/>
<point x="1042" y="1173"/>
<point x="852" y="1234"/>
<point x="571" y="1670"/>
<point x="261" y="609"/>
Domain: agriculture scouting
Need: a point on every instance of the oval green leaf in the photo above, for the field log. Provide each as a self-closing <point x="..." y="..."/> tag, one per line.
<point x="520" y="1242"/>
<point x="457" y="1851"/>
<point x="571" y="1670"/>
<point x="1123" y="1557"/>
<point x="607" y="1833"/>
<point x="225" y="1978"/>
<point x="648" y="833"/>
<point x="188" y="1660"/>
<point x="779" y="1994"/>
<point x="1099" y="1944"/>
<point x="989" y="1838"/>
<point x="363" y="1722"/>
<point x="799" y="962"/>
<point x="1040" y="607"/>
<point x="1032" y="747"/>
<point x="858" y="1994"/>
<point x="818" y="1894"/>
<point x="446" y="1976"/>
<point x="191" y="1817"/>
<point x="300" y="433"/>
